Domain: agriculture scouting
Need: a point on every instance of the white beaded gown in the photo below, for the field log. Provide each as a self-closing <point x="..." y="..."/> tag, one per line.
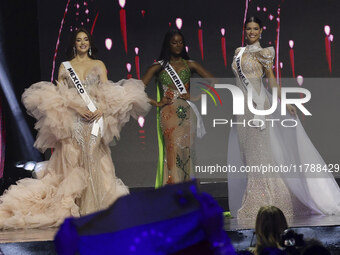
<point x="80" y="176"/>
<point x="251" y="146"/>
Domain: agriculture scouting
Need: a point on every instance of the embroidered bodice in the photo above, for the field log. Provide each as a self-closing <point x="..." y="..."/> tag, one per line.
<point x="254" y="61"/>
<point x="167" y="84"/>
<point x="92" y="78"/>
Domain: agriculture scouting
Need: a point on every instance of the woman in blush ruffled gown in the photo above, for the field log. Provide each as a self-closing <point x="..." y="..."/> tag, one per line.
<point x="80" y="177"/>
<point x="255" y="146"/>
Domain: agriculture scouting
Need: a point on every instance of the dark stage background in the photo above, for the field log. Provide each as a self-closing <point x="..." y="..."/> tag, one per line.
<point x="31" y="23"/>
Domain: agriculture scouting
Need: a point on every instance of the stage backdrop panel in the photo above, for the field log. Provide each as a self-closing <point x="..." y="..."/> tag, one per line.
<point x="146" y="23"/>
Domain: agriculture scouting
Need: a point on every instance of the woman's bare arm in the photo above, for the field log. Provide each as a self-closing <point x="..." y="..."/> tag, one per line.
<point x="147" y="77"/>
<point x="102" y="71"/>
<point x="273" y="84"/>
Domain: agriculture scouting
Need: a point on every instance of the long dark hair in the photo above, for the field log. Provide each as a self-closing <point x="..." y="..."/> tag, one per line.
<point x="70" y="51"/>
<point x="270" y="224"/>
<point x="165" y="52"/>
<point x="253" y="19"/>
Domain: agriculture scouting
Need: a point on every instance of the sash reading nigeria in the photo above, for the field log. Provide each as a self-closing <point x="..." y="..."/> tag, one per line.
<point x="238" y="106"/>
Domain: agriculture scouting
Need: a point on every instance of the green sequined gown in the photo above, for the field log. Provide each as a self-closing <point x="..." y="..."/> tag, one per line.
<point x="175" y="125"/>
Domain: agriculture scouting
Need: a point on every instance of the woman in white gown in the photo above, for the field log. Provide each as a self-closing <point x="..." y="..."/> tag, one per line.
<point x="80" y="177"/>
<point x="253" y="146"/>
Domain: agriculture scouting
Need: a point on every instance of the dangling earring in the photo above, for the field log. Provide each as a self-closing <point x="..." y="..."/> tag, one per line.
<point x="90" y="52"/>
<point x="260" y="36"/>
<point x="74" y="51"/>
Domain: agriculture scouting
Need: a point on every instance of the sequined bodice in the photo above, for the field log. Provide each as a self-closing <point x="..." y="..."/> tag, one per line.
<point x="251" y="67"/>
<point x="92" y="78"/>
<point x="184" y="75"/>
<point x="165" y="80"/>
<point x="253" y="62"/>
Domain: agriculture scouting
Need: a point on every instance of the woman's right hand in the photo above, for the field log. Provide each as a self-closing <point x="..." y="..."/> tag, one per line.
<point x="164" y="101"/>
<point x="84" y="112"/>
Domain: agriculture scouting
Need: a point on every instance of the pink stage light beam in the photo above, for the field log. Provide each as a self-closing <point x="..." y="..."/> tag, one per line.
<point x="141" y="121"/>
<point x="299" y="80"/>
<point x="58" y="40"/>
<point x="128" y="68"/>
<point x="223" y="47"/>
<point x="94" y="23"/>
<point x="108" y="43"/>
<point x="281" y="67"/>
<point x="179" y="23"/>
<point x="122" y="16"/>
<point x="331" y="38"/>
<point x="327" y="30"/>
<point x="244" y="20"/>
<point x="277" y="67"/>
<point x="137" y="63"/>
<point x="291" y="55"/>
<point x="200" y="38"/>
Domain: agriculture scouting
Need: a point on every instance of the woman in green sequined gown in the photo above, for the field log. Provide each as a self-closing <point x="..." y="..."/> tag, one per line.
<point x="174" y="113"/>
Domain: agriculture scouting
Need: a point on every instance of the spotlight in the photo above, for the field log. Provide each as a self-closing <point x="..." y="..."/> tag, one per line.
<point x="7" y="88"/>
<point x="28" y="166"/>
<point x="36" y="168"/>
<point x="19" y="164"/>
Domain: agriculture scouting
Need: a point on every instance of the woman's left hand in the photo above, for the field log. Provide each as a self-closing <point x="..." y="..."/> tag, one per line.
<point x="292" y="109"/>
<point x="185" y="96"/>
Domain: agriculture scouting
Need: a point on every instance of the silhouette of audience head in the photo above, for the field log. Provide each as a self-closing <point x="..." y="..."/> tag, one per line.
<point x="270" y="224"/>
<point x="314" y="247"/>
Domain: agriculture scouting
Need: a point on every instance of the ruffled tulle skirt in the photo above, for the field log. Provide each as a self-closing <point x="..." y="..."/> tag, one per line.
<point x="80" y="176"/>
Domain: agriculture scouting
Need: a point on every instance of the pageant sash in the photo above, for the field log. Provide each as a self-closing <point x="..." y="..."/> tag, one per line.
<point x="174" y="77"/>
<point x="181" y="89"/>
<point x="200" y="132"/>
<point x="98" y="124"/>
<point x="259" y="100"/>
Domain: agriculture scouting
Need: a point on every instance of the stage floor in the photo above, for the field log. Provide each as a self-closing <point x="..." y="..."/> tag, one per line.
<point x="27" y="235"/>
<point x="40" y="241"/>
<point x="302" y="221"/>
<point x="47" y="234"/>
